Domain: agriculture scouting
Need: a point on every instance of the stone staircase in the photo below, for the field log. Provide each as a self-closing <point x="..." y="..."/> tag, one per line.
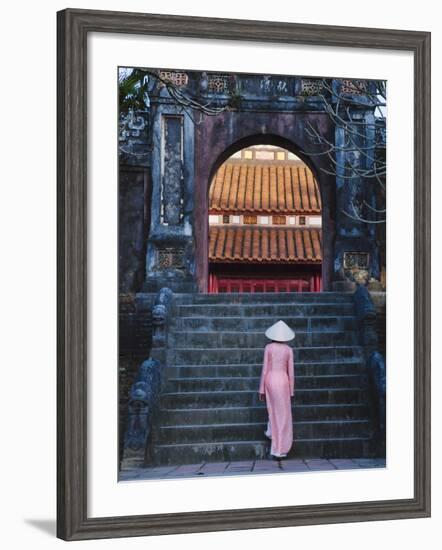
<point x="210" y="411"/>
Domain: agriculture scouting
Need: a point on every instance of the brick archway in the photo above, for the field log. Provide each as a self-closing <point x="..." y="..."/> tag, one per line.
<point x="314" y="164"/>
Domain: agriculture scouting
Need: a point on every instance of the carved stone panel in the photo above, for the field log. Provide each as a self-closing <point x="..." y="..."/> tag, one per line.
<point x="177" y="78"/>
<point x="356" y="260"/>
<point x="133" y="136"/>
<point x="170" y="258"/>
<point x="220" y="83"/>
<point x="353" y="87"/>
<point x="172" y="184"/>
<point x="311" y="86"/>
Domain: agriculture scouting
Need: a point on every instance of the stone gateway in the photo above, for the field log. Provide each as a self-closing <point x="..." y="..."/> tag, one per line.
<point x="245" y="199"/>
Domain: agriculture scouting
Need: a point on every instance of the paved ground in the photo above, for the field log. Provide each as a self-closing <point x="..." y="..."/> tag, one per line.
<point x="130" y="471"/>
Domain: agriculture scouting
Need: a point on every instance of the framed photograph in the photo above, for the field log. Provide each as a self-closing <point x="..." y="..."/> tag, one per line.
<point x="243" y="274"/>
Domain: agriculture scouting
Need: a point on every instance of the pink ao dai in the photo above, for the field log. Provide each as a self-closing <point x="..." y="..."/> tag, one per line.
<point x="278" y="385"/>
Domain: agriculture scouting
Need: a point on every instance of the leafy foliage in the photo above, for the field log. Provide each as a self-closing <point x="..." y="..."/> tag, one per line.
<point x="132" y="88"/>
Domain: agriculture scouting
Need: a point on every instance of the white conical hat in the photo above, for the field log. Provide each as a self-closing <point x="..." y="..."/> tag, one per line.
<point x="280" y="332"/>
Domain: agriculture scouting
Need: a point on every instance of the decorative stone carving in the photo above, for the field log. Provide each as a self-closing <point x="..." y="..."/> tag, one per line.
<point x="158" y="315"/>
<point x="360" y="276"/>
<point x="356" y="267"/>
<point x="164" y="298"/>
<point x="311" y="86"/>
<point x="146" y="389"/>
<point x="142" y="401"/>
<point x="219" y="83"/>
<point x="364" y="304"/>
<point x="281" y="87"/>
<point x="266" y="84"/>
<point x="131" y="125"/>
<point x="356" y="260"/>
<point x="160" y="312"/>
<point x="177" y="78"/>
<point x="172" y="181"/>
<point x="271" y="86"/>
<point x="170" y="258"/>
<point x="133" y="130"/>
<point x="353" y="87"/>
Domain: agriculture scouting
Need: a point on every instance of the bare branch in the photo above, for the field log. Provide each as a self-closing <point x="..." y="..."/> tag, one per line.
<point x="356" y="217"/>
<point x="373" y="209"/>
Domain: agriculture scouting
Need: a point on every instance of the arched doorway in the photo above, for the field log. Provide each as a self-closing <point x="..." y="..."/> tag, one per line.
<point x="215" y="152"/>
<point x="264" y="223"/>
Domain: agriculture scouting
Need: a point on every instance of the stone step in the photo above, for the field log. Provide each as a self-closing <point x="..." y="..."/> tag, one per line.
<point x="258" y="339"/>
<point x="269" y="297"/>
<point x="351" y="411"/>
<point x="208" y="356"/>
<point x="320" y="309"/>
<point x="252" y="383"/>
<point x="245" y="398"/>
<point x="254" y="431"/>
<point x="210" y="410"/>
<point x="254" y="369"/>
<point x="317" y="324"/>
<point x="191" y="453"/>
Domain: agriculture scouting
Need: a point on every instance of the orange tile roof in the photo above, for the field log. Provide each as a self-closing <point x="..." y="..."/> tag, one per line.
<point x="250" y="187"/>
<point x="264" y="244"/>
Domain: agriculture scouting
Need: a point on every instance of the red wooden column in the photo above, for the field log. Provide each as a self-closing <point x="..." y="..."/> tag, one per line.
<point x="213" y="284"/>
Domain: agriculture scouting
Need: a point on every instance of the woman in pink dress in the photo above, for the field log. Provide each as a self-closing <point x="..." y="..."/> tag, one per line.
<point x="277" y="387"/>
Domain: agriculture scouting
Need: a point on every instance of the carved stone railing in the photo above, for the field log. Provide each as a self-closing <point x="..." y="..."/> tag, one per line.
<point x="366" y="317"/>
<point x="160" y="325"/>
<point x="374" y="361"/>
<point x="377" y="384"/>
<point x="149" y="382"/>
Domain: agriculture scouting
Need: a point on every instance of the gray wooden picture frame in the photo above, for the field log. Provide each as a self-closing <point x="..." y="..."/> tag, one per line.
<point x="73" y="28"/>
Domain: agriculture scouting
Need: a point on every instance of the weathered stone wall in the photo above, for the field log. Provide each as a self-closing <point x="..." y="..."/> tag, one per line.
<point x="133" y="226"/>
<point x="134" y="343"/>
<point x="134" y="212"/>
